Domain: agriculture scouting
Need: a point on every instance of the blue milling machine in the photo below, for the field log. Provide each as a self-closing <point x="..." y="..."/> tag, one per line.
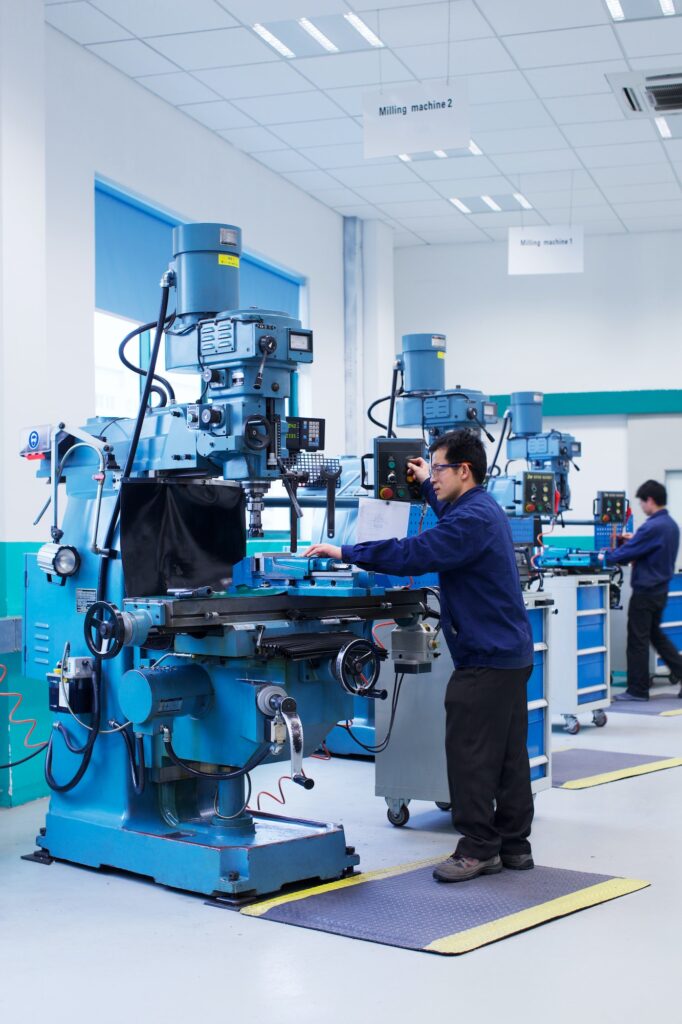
<point x="176" y="664"/>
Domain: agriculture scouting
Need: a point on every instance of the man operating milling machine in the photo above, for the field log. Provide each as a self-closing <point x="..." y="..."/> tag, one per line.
<point x="489" y="637"/>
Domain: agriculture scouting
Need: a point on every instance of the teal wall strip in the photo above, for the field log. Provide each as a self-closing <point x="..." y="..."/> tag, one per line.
<point x="605" y="403"/>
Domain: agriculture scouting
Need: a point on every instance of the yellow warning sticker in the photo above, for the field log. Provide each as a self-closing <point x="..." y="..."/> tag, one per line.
<point x="228" y="260"/>
<point x="441" y="355"/>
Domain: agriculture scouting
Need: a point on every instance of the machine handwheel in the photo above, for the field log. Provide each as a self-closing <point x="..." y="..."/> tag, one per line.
<point x="104" y="630"/>
<point x="443" y="806"/>
<point x="257" y="433"/>
<point x="599" y="718"/>
<point x="572" y="726"/>
<point x="399" y="818"/>
<point x="357" y="667"/>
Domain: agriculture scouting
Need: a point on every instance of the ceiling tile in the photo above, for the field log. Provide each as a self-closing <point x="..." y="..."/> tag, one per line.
<point x="533" y="163"/>
<point x="405" y="239"/>
<point x="552" y="181"/>
<point x="336" y="196"/>
<point x="524" y="218"/>
<point x="83" y="23"/>
<point x="522" y="140"/>
<point x="389" y="174"/>
<point x="283" y="109"/>
<point x="636" y="174"/>
<point x="455" y="167"/>
<point x="473" y="187"/>
<point x="149" y="17"/>
<point x="350" y="97"/>
<point x="577" y="198"/>
<point x="599" y="214"/>
<point x="487" y="117"/>
<point x="252" y="11"/>
<point x="571" y="46"/>
<point x="475" y="56"/>
<point x="315" y="133"/>
<point x="395" y="193"/>
<point x="669" y="62"/>
<point x="642" y="224"/>
<point x="454" y="235"/>
<point x="221" y="48"/>
<point x="633" y="211"/>
<point x="673" y="149"/>
<point x="217" y="115"/>
<point x="259" y="80"/>
<point x="574" y="80"/>
<point x="511" y="16"/>
<point x="177" y="87"/>
<point x="311" y="179"/>
<point x="428" y="23"/>
<point x="584" y="109"/>
<point x="653" y="36"/>
<point x="609" y="133"/>
<point x="643" y="193"/>
<point x="455" y="220"/>
<point x="429" y="208"/>
<point x="350" y="155"/>
<point x="604" y="228"/>
<point x="132" y="57"/>
<point x="613" y="156"/>
<point x="498" y="87"/>
<point x="340" y="69"/>
<point x="252" y="140"/>
<point x="284" y="160"/>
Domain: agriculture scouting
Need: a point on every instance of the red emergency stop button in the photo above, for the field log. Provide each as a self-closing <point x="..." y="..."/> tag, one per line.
<point x="386" y="493"/>
<point x="530" y="507"/>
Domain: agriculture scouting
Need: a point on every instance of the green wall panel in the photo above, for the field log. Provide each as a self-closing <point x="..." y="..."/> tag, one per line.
<point x="605" y="403"/>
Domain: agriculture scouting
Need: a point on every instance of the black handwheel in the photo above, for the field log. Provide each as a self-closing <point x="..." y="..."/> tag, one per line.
<point x="357" y="666"/>
<point x="104" y="630"/>
<point x="399" y="818"/>
<point x="257" y="433"/>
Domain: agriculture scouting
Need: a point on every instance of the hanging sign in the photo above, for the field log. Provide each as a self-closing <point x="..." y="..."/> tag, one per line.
<point x="555" y="249"/>
<point x="416" y="118"/>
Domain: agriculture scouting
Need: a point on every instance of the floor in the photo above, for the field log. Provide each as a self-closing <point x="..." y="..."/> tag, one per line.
<point x="76" y="945"/>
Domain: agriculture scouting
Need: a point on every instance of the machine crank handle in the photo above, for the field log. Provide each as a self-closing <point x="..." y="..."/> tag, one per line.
<point x="286" y="708"/>
<point x="363" y="471"/>
<point x="303" y="780"/>
<point x="267" y="346"/>
<point x="376" y="694"/>
<point x="331" y="478"/>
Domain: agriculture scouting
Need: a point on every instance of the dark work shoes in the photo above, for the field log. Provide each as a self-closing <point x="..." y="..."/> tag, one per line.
<point x="461" y="869"/>
<point x="629" y="696"/>
<point x="517" y="861"/>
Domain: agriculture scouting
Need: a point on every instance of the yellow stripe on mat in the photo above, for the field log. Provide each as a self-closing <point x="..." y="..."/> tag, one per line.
<point x="464" y="942"/>
<point x="670" y="714"/>
<point x="258" y="909"/>
<point x="623" y="773"/>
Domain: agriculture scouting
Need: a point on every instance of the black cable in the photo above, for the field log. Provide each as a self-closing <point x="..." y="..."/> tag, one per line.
<point x="89" y="746"/>
<point x="391" y="409"/>
<point x="13" y="764"/>
<point x="376" y="402"/>
<point x="136" y="766"/>
<point x="506" y="422"/>
<point x="252" y="763"/>
<point x="137" y="369"/>
<point x="380" y="747"/>
<point x="73" y="747"/>
<point x="162" y="395"/>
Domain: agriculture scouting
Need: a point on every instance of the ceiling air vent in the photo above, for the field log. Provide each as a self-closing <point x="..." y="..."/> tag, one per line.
<point x="648" y="95"/>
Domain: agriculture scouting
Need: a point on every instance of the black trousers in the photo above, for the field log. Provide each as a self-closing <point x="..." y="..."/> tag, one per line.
<point x="486" y="731"/>
<point x="644" y="627"/>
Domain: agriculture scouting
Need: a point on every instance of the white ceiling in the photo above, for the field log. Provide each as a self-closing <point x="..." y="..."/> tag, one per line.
<point x="542" y="110"/>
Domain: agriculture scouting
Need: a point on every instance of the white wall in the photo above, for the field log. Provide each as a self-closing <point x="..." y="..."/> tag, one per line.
<point x="99" y="122"/>
<point x="617" y="326"/>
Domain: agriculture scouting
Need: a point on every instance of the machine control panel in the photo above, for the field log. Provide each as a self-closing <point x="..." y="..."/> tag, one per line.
<point x="538" y="493"/>
<point x="304" y="434"/>
<point x="611" y="507"/>
<point x="392" y="478"/>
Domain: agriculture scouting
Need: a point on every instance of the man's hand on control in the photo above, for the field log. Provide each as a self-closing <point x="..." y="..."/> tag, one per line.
<point x="323" y="551"/>
<point x="419" y="468"/>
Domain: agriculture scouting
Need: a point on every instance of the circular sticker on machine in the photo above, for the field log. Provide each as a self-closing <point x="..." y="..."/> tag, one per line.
<point x="33" y="439"/>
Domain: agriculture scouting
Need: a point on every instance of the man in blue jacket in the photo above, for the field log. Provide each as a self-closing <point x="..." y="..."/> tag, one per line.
<point x="487" y="631"/>
<point x="653" y="549"/>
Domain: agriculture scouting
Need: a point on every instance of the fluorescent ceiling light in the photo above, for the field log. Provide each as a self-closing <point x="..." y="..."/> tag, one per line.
<point x="460" y="205"/>
<point x="615" y="10"/>
<point x="440" y="153"/>
<point x="273" y="41"/>
<point x="667" y="7"/>
<point x="522" y="201"/>
<point x="473" y="148"/>
<point x="364" y="30"/>
<point x="318" y="36"/>
<point x="405" y="157"/>
<point x="663" y="127"/>
<point x="492" y="204"/>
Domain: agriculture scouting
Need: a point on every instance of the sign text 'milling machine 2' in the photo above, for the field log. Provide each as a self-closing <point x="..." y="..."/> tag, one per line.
<point x="176" y="664"/>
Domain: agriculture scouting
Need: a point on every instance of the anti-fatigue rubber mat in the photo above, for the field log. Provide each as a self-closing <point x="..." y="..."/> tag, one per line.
<point x="406" y="907"/>
<point x="668" y="705"/>
<point x="580" y="769"/>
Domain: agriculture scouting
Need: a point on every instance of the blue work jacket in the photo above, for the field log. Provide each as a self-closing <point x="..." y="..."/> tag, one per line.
<point x="653" y="549"/>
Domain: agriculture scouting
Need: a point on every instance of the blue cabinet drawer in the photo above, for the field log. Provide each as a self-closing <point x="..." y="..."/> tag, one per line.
<point x="536" y="617"/>
<point x="590" y="597"/>
<point x="591" y="631"/>
<point x="536" y="732"/>
<point x="536" y="683"/>
<point x="592" y="670"/>
<point x="673" y="609"/>
<point x="538" y="772"/>
<point x="588" y="698"/>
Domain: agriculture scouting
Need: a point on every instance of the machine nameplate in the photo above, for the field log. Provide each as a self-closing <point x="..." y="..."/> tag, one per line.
<point x="84" y="598"/>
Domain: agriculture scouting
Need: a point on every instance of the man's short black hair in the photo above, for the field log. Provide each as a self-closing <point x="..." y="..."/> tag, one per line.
<point x="464" y="446"/>
<point x="652" y="489"/>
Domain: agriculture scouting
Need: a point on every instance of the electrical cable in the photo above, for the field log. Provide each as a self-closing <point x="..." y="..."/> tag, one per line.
<point x="253" y="762"/>
<point x="137" y="369"/>
<point x="15" y="764"/>
<point x="395" y="391"/>
<point x="506" y="423"/>
<point x="136" y="766"/>
<point x="377" y="401"/>
<point x="380" y="747"/>
<point x="20" y="721"/>
<point x="237" y="814"/>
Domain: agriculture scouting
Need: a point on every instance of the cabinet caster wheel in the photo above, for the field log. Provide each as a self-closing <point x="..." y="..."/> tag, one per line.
<point x="572" y="726"/>
<point x="442" y="806"/>
<point x="599" y="718"/>
<point x="400" y="817"/>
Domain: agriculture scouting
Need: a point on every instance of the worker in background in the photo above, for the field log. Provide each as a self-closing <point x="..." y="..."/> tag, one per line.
<point x="653" y="550"/>
<point x="488" y="633"/>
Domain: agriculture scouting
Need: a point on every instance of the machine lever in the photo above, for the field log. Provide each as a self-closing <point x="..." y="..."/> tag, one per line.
<point x="291" y="480"/>
<point x="286" y="709"/>
<point x="331" y="478"/>
<point x="267" y="345"/>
